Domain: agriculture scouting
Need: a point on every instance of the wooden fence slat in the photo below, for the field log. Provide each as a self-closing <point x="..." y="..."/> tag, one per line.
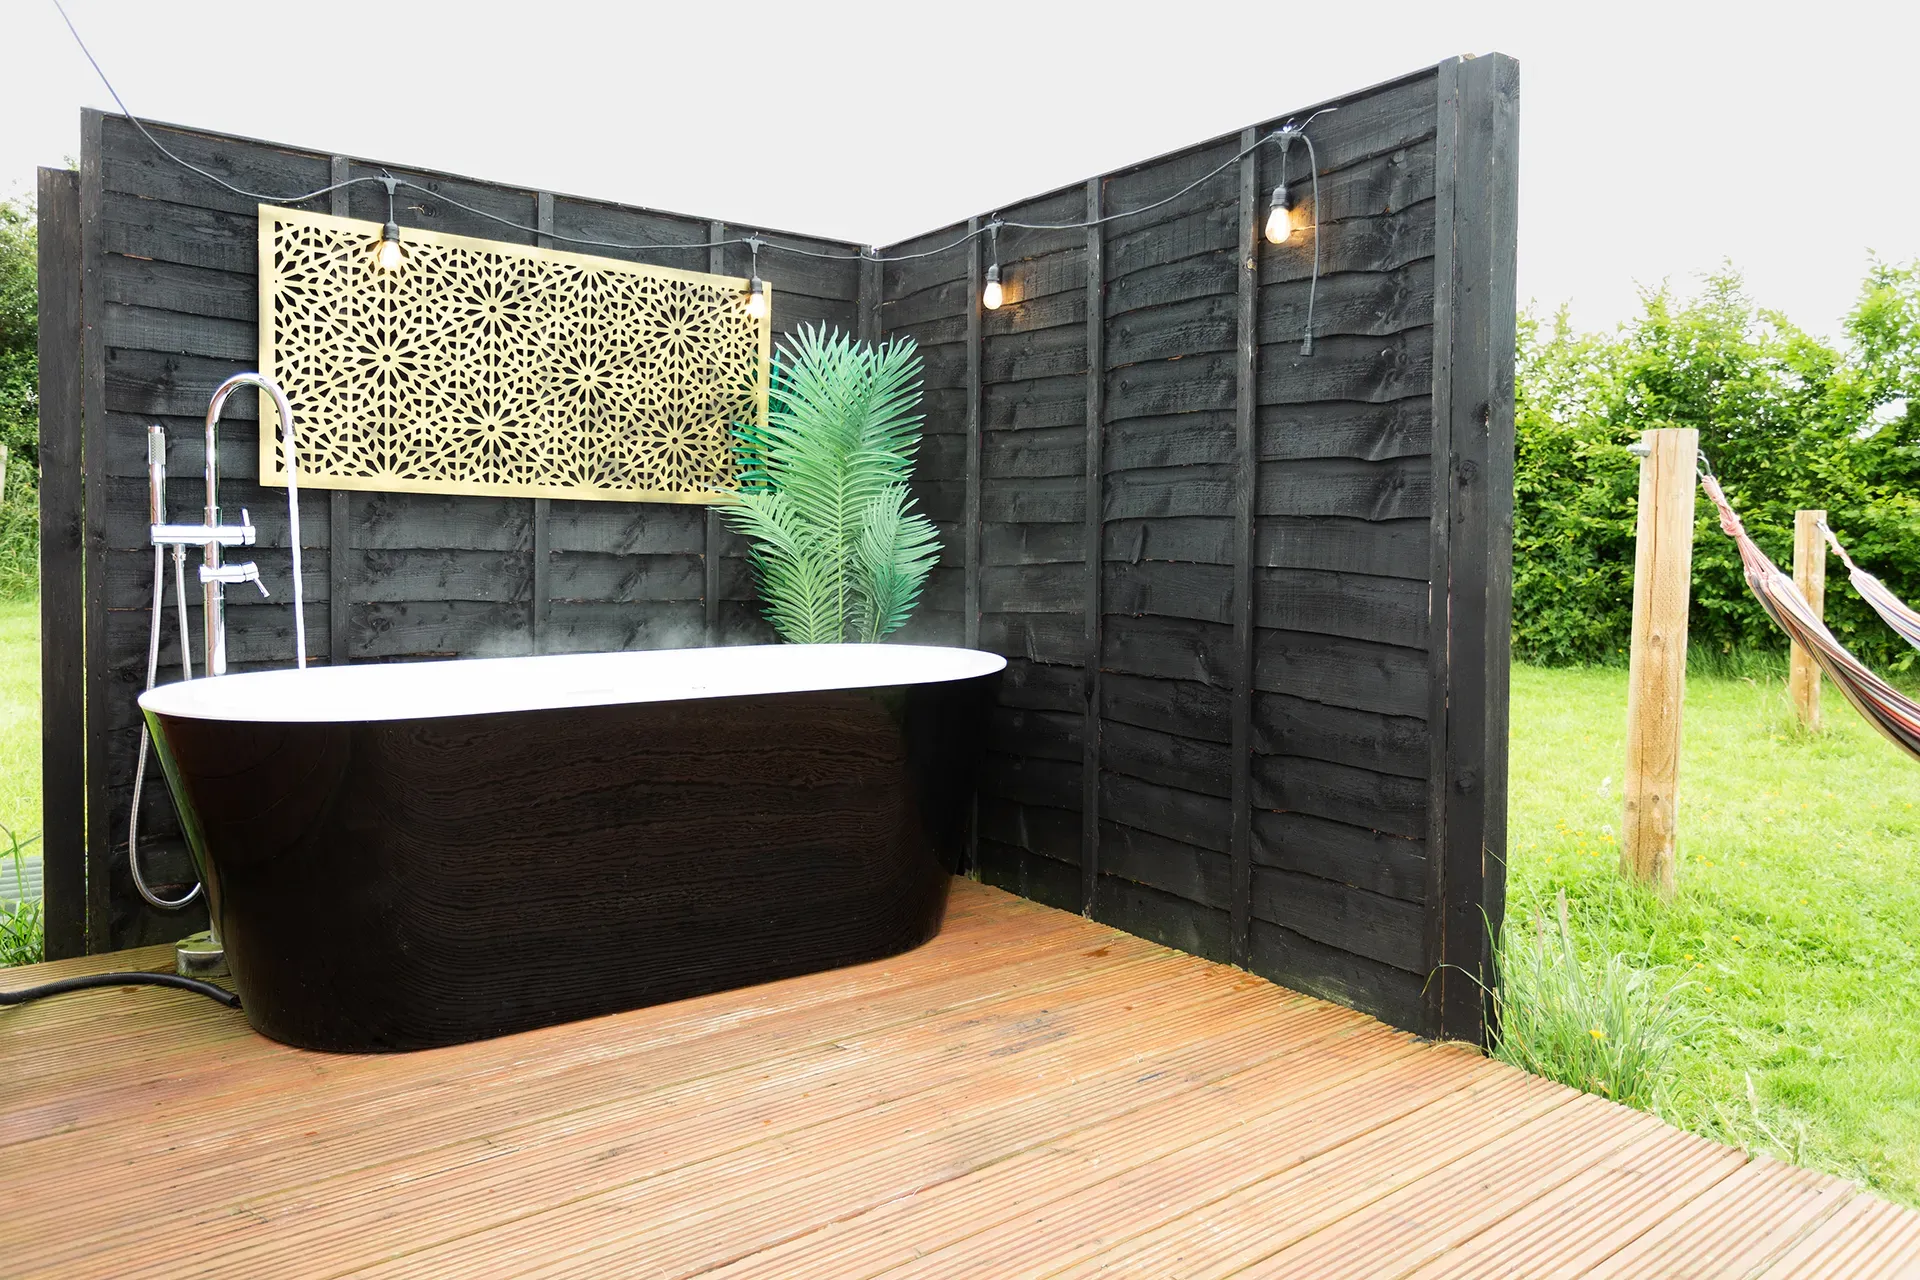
<point x="1092" y="553"/>
<point x="1477" y="250"/>
<point x="970" y="526"/>
<point x="339" y="519"/>
<point x="93" y="448"/>
<point x="540" y="588"/>
<point x="869" y="301"/>
<point x="1246" y="480"/>
<point x="971" y="531"/>
<point x="63" y="803"/>
<point x="1439" y="543"/>
<point x="716" y="529"/>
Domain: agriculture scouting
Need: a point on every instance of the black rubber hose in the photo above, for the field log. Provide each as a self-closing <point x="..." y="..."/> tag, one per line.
<point x="92" y="980"/>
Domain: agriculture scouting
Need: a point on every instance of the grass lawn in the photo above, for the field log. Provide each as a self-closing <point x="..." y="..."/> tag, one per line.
<point x="1797" y="921"/>
<point x="20" y="716"/>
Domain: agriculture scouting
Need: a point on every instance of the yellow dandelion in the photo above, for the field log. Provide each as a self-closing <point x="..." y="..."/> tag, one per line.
<point x="1687" y="956"/>
<point x="1597" y="1033"/>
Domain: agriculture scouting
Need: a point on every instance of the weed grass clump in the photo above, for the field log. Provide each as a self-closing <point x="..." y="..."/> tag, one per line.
<point x="1606" y="1028"/>
<point x="23" y="937"/>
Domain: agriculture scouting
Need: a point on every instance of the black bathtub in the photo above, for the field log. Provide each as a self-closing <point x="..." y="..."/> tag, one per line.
<point x="408" y="855"/>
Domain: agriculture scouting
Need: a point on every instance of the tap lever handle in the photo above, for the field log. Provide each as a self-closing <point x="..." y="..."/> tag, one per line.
<point x="233" y="574"/>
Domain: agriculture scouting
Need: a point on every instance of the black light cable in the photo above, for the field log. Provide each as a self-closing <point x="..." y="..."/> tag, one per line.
<point x="1279" y="215"/>
<point x="1285" y="134"/>
<point x="93" y="981"/>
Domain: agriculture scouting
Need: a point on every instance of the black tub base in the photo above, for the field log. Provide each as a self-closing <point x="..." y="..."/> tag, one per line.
<point x="406" y="883"/>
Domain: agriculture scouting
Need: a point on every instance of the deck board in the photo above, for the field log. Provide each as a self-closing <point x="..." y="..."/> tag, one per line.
<point x="1030" y="1094"/>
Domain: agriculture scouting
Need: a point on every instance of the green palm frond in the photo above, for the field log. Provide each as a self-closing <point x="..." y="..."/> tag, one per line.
<point x="840" y="551"/>
<point x="799" y="580"/>
<point x="897" y="549"/>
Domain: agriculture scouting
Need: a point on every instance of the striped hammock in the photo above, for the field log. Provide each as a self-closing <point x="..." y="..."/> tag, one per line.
<point x="1889" y="606"/>
<point x="1894" y="714"/>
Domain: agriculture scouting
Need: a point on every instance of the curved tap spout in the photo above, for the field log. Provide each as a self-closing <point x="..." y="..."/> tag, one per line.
<point x="211" y="578"/>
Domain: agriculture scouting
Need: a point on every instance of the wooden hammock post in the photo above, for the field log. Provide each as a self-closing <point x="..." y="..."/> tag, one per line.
<point x="1810" y="575"/>
<point x="1657" y="665"/>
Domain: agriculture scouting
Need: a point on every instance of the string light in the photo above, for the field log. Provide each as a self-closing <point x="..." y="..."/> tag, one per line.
<point x="387" y="255"/>
<point x="1279" y="224"/>
<point x="992" y="295"/>
<point x="1278" y="219"/>
<point x="756" y="288"/>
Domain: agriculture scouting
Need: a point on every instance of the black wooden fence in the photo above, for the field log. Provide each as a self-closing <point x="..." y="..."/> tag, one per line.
<point x="1255" y="601"/>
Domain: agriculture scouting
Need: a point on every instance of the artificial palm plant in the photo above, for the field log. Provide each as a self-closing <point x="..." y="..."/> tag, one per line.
<point x="838" y="552"/>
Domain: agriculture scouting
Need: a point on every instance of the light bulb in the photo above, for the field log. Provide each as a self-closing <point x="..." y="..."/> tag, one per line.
<point x="388" y="256"/>
<point x="1279" y="224"/>
<point x="992" y="295"/>
<point x="756" y="298"/>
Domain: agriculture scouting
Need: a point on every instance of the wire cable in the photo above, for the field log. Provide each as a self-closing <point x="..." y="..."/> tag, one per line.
<point x="93" y="981"/>
<point x="1285" y="133"/>
<point x="1313" y="281"/>
<point x="155" y="142"/>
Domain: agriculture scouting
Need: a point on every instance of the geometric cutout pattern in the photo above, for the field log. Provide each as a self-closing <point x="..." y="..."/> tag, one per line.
<point x="491" y="368"/>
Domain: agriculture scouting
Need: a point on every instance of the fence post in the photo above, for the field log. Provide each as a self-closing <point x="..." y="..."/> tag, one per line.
<point x="1810" y="575"/>
<point x="1657" y="670"/>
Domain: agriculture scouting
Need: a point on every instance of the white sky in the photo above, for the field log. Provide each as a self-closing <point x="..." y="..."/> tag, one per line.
<point x="1658" y="139"/>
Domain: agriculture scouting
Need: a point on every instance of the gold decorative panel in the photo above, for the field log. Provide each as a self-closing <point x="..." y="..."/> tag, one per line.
<point x="484" y="367"/>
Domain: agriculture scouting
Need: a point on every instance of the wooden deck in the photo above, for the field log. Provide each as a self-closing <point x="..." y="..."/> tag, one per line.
<point x="1028" y="1095"/>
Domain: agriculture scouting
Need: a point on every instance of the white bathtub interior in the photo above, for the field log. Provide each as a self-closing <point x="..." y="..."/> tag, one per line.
<point x="486" y="686"/>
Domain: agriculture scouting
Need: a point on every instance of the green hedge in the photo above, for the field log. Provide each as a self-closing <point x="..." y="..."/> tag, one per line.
<point x="19" y="403"/>
<point x="1786" y="420"/>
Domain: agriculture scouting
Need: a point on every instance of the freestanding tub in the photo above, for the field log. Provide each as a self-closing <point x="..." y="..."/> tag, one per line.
<point x="406" y="855"/>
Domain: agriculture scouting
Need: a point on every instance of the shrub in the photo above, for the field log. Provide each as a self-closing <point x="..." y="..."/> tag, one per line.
<point x="1787" y="421"/>
<point x="19" y="400"/>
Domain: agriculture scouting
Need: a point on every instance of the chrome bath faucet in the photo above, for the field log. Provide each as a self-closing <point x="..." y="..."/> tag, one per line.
<point x="211" y="535"/>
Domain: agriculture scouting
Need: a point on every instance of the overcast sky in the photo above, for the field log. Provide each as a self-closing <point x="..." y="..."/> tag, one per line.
<point x="1657" y="139"/>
